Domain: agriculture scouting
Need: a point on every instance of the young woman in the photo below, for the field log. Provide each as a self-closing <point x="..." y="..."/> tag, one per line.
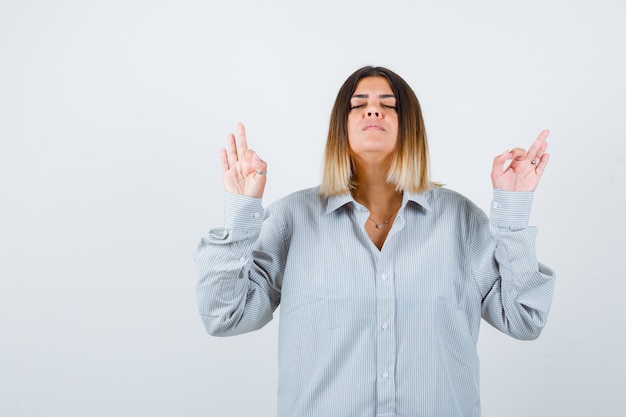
<point x="382" y="276"/>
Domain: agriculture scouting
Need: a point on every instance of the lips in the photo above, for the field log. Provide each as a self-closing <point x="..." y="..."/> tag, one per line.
<point x="373" y="126"/>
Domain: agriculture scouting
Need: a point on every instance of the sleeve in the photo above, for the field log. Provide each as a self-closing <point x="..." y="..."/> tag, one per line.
<point x="516" y="288"/>
<point x="239" y="278"/>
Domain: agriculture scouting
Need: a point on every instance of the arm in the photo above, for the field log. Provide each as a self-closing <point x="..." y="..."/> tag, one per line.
<point x="516" y="288"/>
<point x="519" y="299"/>
<point x="234" y="294"/>
<point x="239" y="267"/>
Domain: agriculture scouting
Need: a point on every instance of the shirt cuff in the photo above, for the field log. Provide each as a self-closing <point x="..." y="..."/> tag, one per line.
<point x="511" y="208"/>
<point x="241" y="212"/>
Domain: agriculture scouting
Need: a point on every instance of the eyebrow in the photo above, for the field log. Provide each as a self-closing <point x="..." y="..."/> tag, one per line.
<point x="379" y="96"/>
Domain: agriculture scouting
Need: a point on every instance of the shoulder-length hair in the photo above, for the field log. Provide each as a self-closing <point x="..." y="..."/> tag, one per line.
<point x="409" y="165"/>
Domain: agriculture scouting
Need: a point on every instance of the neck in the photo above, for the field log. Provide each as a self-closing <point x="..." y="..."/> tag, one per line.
<point x="375" y="193"/>
<point x="373" y="190"/>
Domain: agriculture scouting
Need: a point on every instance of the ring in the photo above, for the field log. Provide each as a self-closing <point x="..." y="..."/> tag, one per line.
<point x="534" y="162"/>
<point x="261" y="172"/>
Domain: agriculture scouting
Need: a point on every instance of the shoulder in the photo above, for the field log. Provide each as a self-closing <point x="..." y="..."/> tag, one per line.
<point x="450" y="208"/>
<point x="441" y="195"/>
<point x="300" y="203"/>
<point x="444" y="200"/>
<point x="306" y="197"/>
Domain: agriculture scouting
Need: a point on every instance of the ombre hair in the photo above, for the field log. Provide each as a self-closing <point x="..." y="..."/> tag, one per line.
<point x="409" y="165"/>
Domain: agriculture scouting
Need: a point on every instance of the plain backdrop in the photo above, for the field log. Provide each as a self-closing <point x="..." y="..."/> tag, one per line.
<point x="112" y="114"/>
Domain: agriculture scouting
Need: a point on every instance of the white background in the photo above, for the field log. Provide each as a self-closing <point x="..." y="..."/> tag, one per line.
<point x="112" y="114"/>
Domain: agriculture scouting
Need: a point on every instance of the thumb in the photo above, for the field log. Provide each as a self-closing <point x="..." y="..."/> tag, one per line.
<point x="500" y="160"/>
<point x="258" y="164"/>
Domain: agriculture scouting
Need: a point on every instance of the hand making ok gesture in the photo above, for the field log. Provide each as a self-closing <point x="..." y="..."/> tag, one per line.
<point x="243" y="172"/>
<point x="525" y="169"/>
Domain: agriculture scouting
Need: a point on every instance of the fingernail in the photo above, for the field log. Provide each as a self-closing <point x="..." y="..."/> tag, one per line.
<point x="255" y="156"/>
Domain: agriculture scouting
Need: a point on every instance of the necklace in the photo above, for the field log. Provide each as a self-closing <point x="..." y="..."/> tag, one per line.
<point x="379" y="225"/>
<point x="386" y="221"/>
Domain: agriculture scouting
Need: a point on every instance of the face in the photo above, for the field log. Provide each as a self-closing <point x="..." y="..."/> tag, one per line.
<point x="372" y="120"/>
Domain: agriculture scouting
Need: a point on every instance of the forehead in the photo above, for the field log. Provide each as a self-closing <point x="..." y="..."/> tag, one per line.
<point x="378" y="85"/>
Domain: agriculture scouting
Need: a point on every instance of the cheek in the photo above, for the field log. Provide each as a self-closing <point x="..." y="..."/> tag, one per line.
<point x="394" y="125"/>
<point x="351" y="127"/>
<point x="352" y="120"/>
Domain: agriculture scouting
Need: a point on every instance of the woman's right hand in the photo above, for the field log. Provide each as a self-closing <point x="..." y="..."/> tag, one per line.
<point x="243" y="172"/>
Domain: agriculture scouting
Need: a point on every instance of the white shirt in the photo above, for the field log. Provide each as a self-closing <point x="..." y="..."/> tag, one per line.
<point x="365" y="332"/>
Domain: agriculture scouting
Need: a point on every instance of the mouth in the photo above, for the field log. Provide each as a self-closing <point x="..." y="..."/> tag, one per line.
<point x="373" y="126"/>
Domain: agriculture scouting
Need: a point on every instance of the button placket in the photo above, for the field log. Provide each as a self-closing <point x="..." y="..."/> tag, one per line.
<point x="385" y="339"/>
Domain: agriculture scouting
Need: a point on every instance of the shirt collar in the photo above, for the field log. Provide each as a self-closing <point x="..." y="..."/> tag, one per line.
<point x="418" y="198"/>
<point x="336" y="201"/>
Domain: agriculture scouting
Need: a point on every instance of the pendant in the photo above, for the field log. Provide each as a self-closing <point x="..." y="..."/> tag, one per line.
<point x="378" y="225"/>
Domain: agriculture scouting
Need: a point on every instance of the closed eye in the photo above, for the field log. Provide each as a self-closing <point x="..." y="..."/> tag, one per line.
<point x="358" y="106"/>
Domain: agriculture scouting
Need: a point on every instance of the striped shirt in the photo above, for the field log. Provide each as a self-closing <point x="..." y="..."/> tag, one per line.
<point x="366" y="332"/>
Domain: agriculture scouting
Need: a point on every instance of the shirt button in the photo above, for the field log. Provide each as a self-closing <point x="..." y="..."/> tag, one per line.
<point x="385" y="375"/>
<point x="385" y="326"/>
<point x="496" y="204"/>
<point x="242" y="260"/>
<point x="383" y="277"/>
<point x="256" y="215"/>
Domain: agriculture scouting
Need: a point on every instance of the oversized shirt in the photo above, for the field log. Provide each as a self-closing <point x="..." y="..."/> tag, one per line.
<point x="365" y="332"/>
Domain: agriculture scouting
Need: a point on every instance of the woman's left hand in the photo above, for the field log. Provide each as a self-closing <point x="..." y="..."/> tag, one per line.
<point x="525" y="169"/>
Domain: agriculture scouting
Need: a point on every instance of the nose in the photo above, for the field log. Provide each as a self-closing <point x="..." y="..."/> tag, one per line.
<point x="373" y="109"/>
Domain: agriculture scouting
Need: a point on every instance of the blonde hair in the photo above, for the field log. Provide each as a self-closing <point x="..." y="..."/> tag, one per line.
<point x="409" y="166"/>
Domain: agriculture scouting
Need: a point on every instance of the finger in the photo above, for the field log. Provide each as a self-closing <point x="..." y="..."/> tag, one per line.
<point x="224" y="160"/>
<point x="499" y="162"/>
<point x="518" y="154"/>
<point x="539" y="146"/>
<point x="242" y="143"/>
<point x="543" y="162"/>
<point x="259" y="165"/>
<point x="232" y="150"/>
<point x="247" y="157"/>
<point x="539" y="154"/>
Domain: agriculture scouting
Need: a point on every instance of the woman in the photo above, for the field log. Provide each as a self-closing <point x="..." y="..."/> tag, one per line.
<point x="382" y="276"/>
